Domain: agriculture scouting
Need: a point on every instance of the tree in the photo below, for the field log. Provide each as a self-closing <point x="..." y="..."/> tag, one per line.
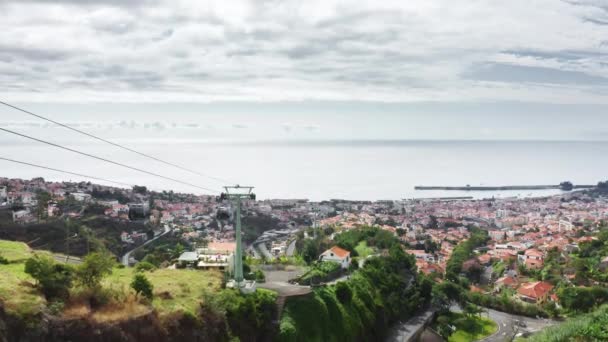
<point x="343" y="292"/>
<point x="54" y="280"/>
<point x="94" y="268"/>
<point x="144" y="266"/>
<point x="140" y="189"/>
<point x="142" y="286"/>
<point x="42" y="198"/>
<point x="310" y="251"/>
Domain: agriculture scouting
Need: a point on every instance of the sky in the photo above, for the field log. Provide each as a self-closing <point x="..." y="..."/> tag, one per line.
<point x="515" y="69"/>
<point x="163" y="74"/>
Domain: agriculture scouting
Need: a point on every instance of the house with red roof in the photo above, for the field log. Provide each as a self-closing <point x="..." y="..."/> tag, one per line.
<point x="506" y="281"/>
<point x="533" y="259"/>
<point x="337" y="254"/>
<point x="535" y="292"/>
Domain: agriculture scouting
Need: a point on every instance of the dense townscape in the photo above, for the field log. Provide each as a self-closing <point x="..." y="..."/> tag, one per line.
<point x="536" y="257"/>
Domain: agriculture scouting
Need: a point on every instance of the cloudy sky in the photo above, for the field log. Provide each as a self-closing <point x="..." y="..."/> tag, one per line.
<point x="549" y="51"/>
<point x="174" y="77"/>
<point x="487" y="64"/>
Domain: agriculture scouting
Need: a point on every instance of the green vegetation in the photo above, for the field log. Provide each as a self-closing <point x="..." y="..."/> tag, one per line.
<point x="361" y="308"/>
<point x="53" y="279"/>
<point x="588" y="327"/>
<point x="176" y="290"/>
<point x="249" y="316"/>
<point x="145" y="266"/>
<point x="320" y="272"/>
<point x="468" y="327"/>
<point x="504" y="302"/>
<point x="16" y="294"/>
<point x="463" y="252"/>
<point x="142" y="286"/>
<point x="94" y="268"/>
<point x="363" y="251"/>
<point x="582" y="299"/>
<point x="14" y="251"/>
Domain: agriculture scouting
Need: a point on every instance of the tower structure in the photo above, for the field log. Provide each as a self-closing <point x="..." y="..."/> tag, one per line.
<point x="237" y="194"/>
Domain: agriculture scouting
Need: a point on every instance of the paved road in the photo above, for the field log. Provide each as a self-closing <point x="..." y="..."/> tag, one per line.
<point x="262" y="248"/>
<point x="405" y="331"/>
<point x="277" y="281"/>
<point x="486" y="275"/>
<point x="125" y="258"/>
<point x="68" y="260"/>
<point x="508" y="325"/>
<point x="291" y="248"/>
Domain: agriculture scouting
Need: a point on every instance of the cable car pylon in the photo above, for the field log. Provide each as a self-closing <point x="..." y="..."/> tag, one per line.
<point x="236" y="194"/>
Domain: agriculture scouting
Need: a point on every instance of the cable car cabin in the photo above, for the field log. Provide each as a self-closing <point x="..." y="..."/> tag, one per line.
<point x="138" y="211"/>
<point x="223" y="213"/>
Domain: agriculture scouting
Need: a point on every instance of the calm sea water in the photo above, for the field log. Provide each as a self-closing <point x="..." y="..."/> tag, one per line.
<point x="318" y="170"/>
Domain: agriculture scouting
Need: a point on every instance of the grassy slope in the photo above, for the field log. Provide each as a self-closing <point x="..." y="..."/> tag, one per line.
<point x="14" y="251"/>
<point x="363" y="250"/>
<point x="482" y="327"/>
<point x="16" y="288"/>
<point x="587" y="327"/>
<point x="185" y="288"/>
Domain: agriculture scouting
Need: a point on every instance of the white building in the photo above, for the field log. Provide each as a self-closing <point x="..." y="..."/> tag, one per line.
<point x="337" y="254"/>
<point x="81" y="196"/>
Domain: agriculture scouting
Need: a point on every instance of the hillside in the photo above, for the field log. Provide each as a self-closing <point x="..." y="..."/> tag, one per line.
<point x="186" y="305"/>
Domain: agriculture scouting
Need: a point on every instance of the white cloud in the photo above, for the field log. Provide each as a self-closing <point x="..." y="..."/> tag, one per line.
<point x="392" y="51"/>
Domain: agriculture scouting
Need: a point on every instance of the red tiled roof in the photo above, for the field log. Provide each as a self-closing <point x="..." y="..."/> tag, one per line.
<point x="535" y="290"/>
<point x="339" y="252"/>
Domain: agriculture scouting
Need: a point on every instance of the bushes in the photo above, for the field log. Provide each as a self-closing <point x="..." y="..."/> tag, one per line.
<point x="94" y="268"/>
<point x="142" y="286"/>
<point x="360" y="308"/>
<point x="589" y="327"/>
<point x="54" y="279"/>
<point x="343" y="292"/>
<point x="464" y="251"/>
<point x="3" y="260"/>
<point x="321" y="272"/>
<point x="145" y="266"/>
<point x="582" y="299"/>
<point x="249" y="316"/>
<point x="506" y="304"/>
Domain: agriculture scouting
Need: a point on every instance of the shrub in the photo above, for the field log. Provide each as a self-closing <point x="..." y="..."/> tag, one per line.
<point x="142" y="286"/>
<point x="56" y="307"/>
<point x="54" y="280"/>
<point x="343" y="292"/>
<point x="3" y="260"/>
<point x="94" y="268"/>
<point x="144" y="266"/>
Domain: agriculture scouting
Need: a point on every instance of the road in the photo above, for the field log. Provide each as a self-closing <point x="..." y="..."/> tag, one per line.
<point x="508" y="325"/>
<point x="278" y="281"/>
<point x="69" y="260"/>
<point x="291" y="248"/>
<point x="405" y="331"/>
<point x="262" y="248"/>
<point x="125" y="258"/>
<point x="486" y="275"/>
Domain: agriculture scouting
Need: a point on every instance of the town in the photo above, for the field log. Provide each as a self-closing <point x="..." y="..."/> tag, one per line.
<point x="529" y="251"/>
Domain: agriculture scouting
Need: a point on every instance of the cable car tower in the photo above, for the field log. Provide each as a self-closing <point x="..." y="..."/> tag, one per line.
<point x="237" y="194"/>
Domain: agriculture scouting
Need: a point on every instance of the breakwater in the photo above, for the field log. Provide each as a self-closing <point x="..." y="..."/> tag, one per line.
<point x="498" y="188"/>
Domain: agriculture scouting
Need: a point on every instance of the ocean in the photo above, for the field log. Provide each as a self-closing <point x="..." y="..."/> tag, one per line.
<point x="326" y="169"/>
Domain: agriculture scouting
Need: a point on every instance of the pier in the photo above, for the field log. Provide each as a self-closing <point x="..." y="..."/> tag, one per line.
<point x="500" y="188"/>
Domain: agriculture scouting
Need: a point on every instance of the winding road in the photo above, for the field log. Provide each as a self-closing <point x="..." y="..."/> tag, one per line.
<point x="125" y="258"/>
<point x="509" y="325"/>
